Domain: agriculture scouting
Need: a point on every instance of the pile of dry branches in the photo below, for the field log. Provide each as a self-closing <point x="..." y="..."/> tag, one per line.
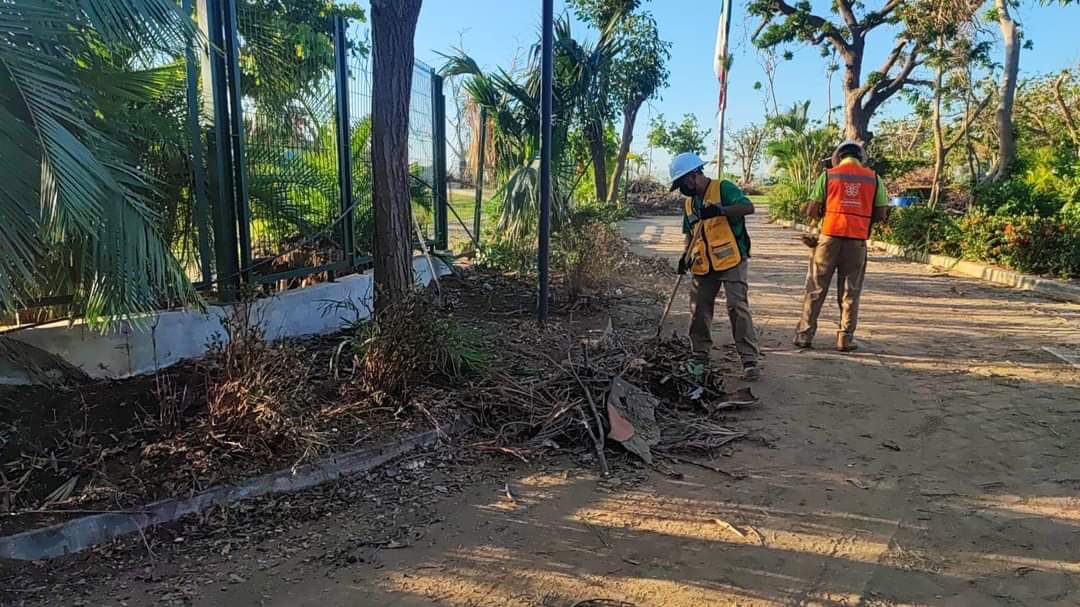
<point x="650" y="197"/>
<point x="551" y="391"/>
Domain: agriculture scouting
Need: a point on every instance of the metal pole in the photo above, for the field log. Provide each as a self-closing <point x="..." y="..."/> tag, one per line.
<point x="543" y="250"/>
<point x="625" y="186"/>
<point x="480" y="176"/>
<point x="344" y="139"/>
<point x="224" y="208"/>
<point x="722" y="56"/>
<point x="438" y="161"/>
<point x="236" y="124"/>
<point x="198" y="169"/>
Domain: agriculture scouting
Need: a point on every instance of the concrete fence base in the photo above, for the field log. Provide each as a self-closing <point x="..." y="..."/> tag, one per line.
<point x="1046" y="287"/>
<point x="61" y="350"/>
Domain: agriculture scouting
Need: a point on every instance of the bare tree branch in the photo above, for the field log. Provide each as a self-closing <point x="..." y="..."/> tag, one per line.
<point x="826" y="29"/>
<point x="887" y="88"/>
<point x="918" y="82"/>
<point x="1066" y="111"/>
<point x="876" y="18"/>
<point x="968" y="120"/>
<point x="761" y="27"/>
<point x="844" y="6"/>
<point x="886" y="67"/>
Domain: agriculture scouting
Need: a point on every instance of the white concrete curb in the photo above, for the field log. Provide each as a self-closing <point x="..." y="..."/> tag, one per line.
<point x="1046" y="287"/>
<point x="85" y="532"/>
<point x="169" y="337"/>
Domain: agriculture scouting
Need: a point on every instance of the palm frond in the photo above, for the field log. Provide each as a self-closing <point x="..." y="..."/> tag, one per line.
<point x="94" y="220"/>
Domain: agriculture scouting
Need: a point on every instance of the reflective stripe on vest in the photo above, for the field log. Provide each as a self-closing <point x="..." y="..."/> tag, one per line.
<point x="713" y="246"/>
<point x="850" y="190"/>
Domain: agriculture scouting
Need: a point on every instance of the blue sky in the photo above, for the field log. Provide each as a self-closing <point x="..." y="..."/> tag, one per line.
<point x="491" y="31"/>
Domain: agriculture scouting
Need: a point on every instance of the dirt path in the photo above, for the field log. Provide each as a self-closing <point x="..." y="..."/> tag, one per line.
<point x="939" y="465"/>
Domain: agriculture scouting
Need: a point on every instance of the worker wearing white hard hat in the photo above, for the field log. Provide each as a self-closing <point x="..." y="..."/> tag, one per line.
<point x="848" y="199"/>
<point x="716" y="254"/>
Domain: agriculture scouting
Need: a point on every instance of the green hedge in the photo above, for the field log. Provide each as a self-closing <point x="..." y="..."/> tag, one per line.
<point x="1027" y="243"/>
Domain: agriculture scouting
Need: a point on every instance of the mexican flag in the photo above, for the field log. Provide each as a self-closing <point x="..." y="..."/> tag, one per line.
<point x="721" y="63"/>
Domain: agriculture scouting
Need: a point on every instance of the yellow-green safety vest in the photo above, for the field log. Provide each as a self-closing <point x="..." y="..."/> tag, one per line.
<point x="713" y="247"/>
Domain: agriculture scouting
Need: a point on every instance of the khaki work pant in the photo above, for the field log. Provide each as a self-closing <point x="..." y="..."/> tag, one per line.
<point x="703" y="292"/>
<point x="846" y="257"/>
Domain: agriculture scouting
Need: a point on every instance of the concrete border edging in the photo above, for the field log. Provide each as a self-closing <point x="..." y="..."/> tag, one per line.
<point x="1046" y="287"/>
<point x="85" y="532"/>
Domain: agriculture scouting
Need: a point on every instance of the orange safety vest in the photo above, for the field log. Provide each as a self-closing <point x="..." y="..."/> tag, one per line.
<point x="713" y="247"/>
<point x="850" y="190"/>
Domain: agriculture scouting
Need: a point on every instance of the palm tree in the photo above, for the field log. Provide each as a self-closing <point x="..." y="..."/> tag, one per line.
<point x="75" y="205"/>
<point x="588" y="70"/>
<point x="799" y="146"/>
<point x="512" y="102"/>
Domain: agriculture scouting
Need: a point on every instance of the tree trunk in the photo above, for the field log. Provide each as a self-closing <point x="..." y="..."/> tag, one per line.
<point x="856" y="117"/>
<point x="594" y="132"/>
<point x="393" y="25"/>
<point x="629" y="118"/>
<point x="973" y="175"/>
<point x="1066" y="111"/>
<point x="747" y="163"/>
<point x="1010" y="34"/>
<point x="939" y="136"/>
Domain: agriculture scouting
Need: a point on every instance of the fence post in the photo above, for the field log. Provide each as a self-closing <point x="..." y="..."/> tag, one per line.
<point x="224" y="209"/>
<point x="438" y="181"/>
<point x="236" y="123"/>
<point x="480" y="176"/>
<point x="195" y="155"/>
<point x="344" y="139"/>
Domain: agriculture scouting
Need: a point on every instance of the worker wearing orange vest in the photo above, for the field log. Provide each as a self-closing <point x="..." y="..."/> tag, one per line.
<point x="848" y="199"/>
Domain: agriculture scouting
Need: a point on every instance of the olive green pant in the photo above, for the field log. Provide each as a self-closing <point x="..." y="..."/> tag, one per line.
<point x="703" y="292"/>
<point x="845" y="257"/>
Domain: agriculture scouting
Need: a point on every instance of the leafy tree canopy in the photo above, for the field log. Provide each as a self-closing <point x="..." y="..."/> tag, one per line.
<point x="684" y="136"/>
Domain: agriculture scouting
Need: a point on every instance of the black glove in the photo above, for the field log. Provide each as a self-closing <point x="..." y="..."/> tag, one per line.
<point x="683" y="265"/>
<point x="710" y="211"/>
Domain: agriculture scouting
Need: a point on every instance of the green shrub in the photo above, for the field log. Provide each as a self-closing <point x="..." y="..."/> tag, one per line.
<point x="411" y="343"/>
<point x="1027" y="243"/>
<point x="1015" y="197"/>
<point x="1038" y="245"/>
<point x="922" y="228"/>
<point x="506" y="255"/>
<point x="786" y="200"/>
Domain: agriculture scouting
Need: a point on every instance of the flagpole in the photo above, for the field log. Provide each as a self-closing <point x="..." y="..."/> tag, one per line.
<point x="720" y="65"/>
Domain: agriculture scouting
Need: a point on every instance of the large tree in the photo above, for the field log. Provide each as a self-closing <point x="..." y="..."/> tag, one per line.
<point x="948" y="31"/>
<point x="846" y="33"/>
<point x="640" y="72"/>
<point x="747" y="145"/>
<point x="1010" y="35"/>
<point x="678" y="137"/>
<point x="393" y="26"/>
<point x="591" y="66"/>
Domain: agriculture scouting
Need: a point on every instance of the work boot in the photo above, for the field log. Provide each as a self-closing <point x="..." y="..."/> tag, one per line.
<point x="751" y="371"/>
<point x="846" y="343"/>
<point x="804" y="342"/>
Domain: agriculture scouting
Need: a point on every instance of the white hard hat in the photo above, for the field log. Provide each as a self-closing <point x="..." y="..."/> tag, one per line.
<point x="684" y="164"/>
<point x="848" y="143"/>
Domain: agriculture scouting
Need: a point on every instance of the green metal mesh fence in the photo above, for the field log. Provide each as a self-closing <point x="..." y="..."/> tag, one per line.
<point x="421" y="141"/>
<point x="287" y="84"/>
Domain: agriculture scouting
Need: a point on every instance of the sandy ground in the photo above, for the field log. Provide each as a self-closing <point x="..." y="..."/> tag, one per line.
<point x="937" y="466"/>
